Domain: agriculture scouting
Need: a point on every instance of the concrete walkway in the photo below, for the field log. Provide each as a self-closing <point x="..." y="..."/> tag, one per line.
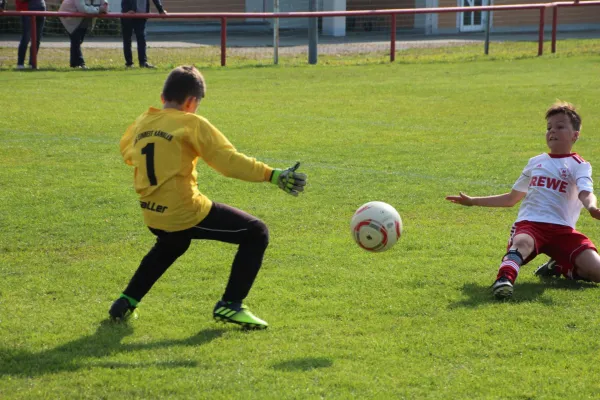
<point x="366" y="41"/>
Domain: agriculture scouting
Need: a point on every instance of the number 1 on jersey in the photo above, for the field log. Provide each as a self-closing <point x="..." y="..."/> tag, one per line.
<point x="148" y="151"/>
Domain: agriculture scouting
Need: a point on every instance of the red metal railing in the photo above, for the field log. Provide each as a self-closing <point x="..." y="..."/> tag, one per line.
<point x="393" y="13"/>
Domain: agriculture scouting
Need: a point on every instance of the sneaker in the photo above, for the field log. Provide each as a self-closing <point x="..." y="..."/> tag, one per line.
<point x="20" y="66"/>
<point x="121" y="310"/>
<point x="237" y="313"/>
<point x="129" y="66"/>
<point x="147" y="65"/>
<point x="502" y="288"/>
<point x="549" y="269"/>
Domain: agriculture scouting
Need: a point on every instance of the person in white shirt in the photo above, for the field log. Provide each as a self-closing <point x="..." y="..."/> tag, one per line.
<point x="553" y="186"/>
<point x="78" y="27"/>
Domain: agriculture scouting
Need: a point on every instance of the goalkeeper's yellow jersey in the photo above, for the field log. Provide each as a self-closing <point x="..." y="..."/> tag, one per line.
<point x="164" y="147"/>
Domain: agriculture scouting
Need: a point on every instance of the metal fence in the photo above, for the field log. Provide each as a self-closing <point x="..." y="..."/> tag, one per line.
<point x="543" y="11"/>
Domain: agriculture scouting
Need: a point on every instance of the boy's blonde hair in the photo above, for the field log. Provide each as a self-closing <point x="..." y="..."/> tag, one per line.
<point x="568" y="109"/>
<point x="183" y="82"/>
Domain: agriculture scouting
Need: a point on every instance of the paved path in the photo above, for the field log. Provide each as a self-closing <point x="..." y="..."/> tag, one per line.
<point x="294" y="41"/>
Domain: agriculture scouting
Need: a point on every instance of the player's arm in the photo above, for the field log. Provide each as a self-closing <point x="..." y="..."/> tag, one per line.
<point x="590" y="202"/>
<point x="518" y="192"/>
<point x="84" y="8"/>
<point x="585" y="185"/>
<point x="233" y="164"/>
<point x="500" y="200"/>
<point x="219" y="153"/>
<point x="126" y="144"/>
<point x="159" y="6"/>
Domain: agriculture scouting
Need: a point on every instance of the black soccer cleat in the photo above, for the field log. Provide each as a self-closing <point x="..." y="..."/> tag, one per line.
<point x="502" y="288"/>
<point x="549" y="269"/>
<point x="122" y="311"/>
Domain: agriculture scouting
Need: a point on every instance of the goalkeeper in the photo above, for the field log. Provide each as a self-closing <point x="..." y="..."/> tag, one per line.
<point x="163" y="145"/>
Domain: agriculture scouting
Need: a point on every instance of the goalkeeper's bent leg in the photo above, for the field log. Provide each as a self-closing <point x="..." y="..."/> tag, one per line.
<point x="247" y="261"/>
<point x="168" y="247"/>
<point x="228" y="224"/>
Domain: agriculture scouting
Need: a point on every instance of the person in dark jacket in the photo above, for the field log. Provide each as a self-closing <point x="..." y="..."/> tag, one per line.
<point x="137" y="25"/>
<point x="29" y="5"/>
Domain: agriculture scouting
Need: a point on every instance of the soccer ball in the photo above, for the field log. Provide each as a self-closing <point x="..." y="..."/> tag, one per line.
<point x="376" y="226"/>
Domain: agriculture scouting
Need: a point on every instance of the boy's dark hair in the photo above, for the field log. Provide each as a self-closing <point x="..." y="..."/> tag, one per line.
<point x="568" y="109"/>
<point x="183" y="82"/>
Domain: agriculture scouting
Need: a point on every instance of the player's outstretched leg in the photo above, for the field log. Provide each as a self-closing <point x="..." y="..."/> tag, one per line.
<point x="502" y="288"/>
<point x="237" y="313"/>
<point x="121" y="310"/>
<point x="507" y="274"/>
<point x="549" y="269"/>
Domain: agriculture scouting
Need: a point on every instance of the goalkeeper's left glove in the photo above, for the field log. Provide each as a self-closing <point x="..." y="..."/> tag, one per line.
<point x="289" y="180"/>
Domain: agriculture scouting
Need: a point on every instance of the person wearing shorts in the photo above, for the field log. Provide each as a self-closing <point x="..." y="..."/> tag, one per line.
<point x="554" y="186"/>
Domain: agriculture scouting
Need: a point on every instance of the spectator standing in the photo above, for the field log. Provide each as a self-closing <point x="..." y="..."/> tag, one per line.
<point x="2" y="5"/>
<point x="137" y="25"/>
<point x="29" y="5"/>
<point x="78" y="27"/>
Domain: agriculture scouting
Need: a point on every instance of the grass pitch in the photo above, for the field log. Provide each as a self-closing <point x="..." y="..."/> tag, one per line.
<point x="415" y="322"/>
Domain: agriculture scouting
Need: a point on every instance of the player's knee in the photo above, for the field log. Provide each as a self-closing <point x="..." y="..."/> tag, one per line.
<point x="174" y="246"/>
<point x="181" y="247"/>
<point x="590" y="273"/>
<point x="524" y="243"/>
<point x="259" y="233"/>
<point x="588" y="265"/>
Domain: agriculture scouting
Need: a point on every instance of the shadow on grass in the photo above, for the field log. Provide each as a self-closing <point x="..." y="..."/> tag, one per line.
<point x="104" y="342"/>
<point x="303" y="364"/>
<point x="524" y="292"/>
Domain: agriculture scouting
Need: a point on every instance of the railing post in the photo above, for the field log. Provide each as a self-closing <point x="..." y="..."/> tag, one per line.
<point x="275" y="33"/>
<point x="34" y="44"/>
<point x="393" y="39"/>
<point x="223" y="42"/>
<point x="541" y="33"/>
<point x="488" y="19"/>
<point x="554" y="25"/>
<point x="313" y="34"/>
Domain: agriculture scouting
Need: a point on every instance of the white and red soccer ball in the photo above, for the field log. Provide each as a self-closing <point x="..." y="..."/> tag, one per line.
<point x="376" y="226"/>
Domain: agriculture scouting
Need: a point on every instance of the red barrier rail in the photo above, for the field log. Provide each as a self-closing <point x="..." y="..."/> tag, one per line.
<point x="223" y="17"/>
<point x="556" y="6"/>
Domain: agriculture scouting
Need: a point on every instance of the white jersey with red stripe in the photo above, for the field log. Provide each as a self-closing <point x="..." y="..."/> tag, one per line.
<point x="552" y="183"/>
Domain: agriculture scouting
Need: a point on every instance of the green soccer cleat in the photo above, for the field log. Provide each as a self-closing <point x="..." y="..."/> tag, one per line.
<point x="237" y="313"/>
<point x="122" y="311"/>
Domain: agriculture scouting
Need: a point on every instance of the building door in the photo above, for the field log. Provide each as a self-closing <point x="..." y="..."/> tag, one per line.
<point x="471" y="21"/>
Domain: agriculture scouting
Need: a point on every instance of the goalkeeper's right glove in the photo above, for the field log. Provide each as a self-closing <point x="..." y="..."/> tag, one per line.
<point x="289" y="180"/>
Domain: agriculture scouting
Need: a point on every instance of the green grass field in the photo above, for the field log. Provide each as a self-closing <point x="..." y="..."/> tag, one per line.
<point x="416" y="322"/>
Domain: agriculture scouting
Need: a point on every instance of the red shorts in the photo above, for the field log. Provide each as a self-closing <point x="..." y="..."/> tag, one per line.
<point x="560" y="242"/>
